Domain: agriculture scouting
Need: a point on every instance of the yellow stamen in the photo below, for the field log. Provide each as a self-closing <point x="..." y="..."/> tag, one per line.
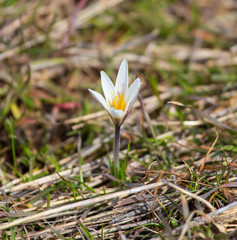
<point x="115" y="102"/>
<point x="120" y="101"/>
<point x="119" y="104"/>
<point x="123" y="106"/>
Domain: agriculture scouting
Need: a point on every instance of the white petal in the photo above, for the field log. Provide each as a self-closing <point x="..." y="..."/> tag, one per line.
<point x="99" y="98"/>
<point x="132" y="94"/>
<point x="107" y="86"/>
<point x="116" y="113"/>
<point x="121" y="84"/>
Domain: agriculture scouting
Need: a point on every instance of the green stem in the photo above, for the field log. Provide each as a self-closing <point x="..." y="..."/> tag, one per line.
<point x="116" y="150"/>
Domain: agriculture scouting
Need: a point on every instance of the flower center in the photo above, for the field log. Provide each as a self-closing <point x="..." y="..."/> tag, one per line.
<point x="119" y="103"/>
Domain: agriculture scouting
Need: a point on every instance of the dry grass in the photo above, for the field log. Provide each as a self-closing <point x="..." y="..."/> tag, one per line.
<point x="178" y="145"/>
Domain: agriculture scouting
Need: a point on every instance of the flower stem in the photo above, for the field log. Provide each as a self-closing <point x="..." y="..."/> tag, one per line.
<point x="116" y="150"/>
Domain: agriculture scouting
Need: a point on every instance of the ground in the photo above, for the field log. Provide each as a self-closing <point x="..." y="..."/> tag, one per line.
<point x="178" y="175"/>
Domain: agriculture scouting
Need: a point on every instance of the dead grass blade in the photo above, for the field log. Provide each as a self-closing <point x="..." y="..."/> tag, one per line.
<point x="194" y="196"/>
<point x="80" y="204"/>
<point x="204" y="115"/>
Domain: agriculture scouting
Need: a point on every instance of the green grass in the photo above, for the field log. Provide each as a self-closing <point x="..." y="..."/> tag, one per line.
<point x="45" y="85"/>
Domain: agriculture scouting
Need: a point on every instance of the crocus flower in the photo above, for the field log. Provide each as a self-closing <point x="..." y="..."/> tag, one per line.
<point x="120" y="98"/>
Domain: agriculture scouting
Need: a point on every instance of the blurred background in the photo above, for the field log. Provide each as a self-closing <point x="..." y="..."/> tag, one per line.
<point x="51" y="52"/>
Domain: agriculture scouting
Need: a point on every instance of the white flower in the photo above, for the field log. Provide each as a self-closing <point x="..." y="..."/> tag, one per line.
<point x="119" y="99"/>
